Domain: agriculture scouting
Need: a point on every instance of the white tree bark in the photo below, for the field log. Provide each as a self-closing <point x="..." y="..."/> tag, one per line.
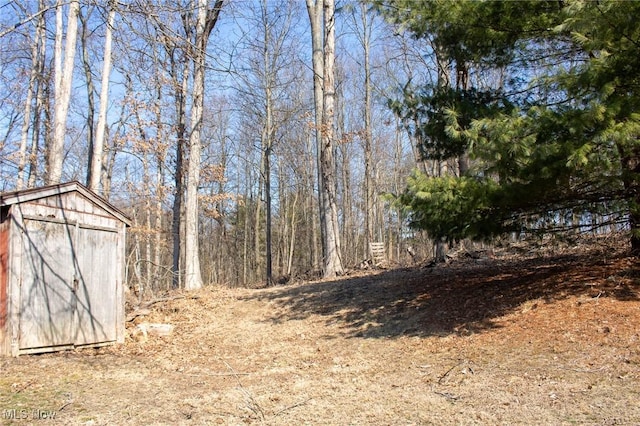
<point x="63" y="78"/>
<point x="95" y="162"/>
<point x="206" y="19"/>
<point x="333" y="252"/>
<point x="193" y="277"/>
<point x="57" y="47"/>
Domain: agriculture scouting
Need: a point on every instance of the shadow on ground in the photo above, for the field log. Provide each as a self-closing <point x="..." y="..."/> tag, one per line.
<point x="460" y="298"/>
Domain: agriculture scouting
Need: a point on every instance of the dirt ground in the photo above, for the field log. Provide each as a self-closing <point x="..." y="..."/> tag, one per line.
<point x="551" y="340"/>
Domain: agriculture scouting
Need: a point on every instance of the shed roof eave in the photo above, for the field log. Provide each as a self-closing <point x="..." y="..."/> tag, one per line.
<point x="30" y="194"/>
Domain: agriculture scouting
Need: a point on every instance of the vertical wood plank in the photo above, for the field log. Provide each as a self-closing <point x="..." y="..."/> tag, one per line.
<point x="47" y="300"/>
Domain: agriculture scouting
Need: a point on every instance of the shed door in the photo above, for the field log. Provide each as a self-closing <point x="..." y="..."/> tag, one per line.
<point x="97" y="282"/>
<point x="46" y="295"/>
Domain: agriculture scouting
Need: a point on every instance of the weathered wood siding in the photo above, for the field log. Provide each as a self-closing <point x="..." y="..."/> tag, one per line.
<point x="46" y="291"/>
<point x="63" y="272"/>
<point x="69" y="208"/>
<point x="4" y="277"/>
<point x="97" y="290"/>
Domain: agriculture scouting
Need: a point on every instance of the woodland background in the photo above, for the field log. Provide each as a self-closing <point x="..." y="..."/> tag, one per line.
<point x="145" y="80"/>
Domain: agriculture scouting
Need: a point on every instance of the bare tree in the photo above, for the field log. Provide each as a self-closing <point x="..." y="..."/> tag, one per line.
<point x="205" y="21"/>
<point x="363" y="28"/>
<point x="87" y="60"/>
<point x="322" y="18"/>
<point x="368" y="133"/>
<point x="35" y="82"/>
<point x="63" y="79"/>
<point x="315" y="10"/>
<point x="95" y="159"/>
<point x="262" y="90"/>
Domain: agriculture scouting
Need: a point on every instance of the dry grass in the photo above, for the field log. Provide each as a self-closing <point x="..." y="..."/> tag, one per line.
<point x="552" y="340"/>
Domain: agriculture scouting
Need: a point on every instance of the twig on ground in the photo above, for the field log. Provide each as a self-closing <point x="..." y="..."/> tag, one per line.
<point x="441" y="378"/>
<point x="251" y="401"/>
<point x="234" y="374"/>
<point x="166" y="299"/>
<point x="447" y="395"/>
<point x="138" y="313"/>
<point x="291" y="407"/>
<point x="18" y="389"/>
<point x="578" y="370"/>
<point x="65" y="405"/>
<point x="69" y="401"/>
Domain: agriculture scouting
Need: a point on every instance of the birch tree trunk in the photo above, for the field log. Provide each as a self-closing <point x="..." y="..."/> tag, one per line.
<point x="95" y="161"/>
<point x="63" y="78"/>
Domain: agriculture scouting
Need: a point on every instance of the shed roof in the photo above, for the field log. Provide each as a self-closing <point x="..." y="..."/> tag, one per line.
<point x="30" y="194"/>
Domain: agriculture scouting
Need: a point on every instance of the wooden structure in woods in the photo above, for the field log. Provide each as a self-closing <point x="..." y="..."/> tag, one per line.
<point x="378" y="253"/>
<point x="61" y="270"/>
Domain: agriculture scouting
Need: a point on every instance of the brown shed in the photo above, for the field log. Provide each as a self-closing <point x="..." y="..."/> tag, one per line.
<point x="61" y="270"/>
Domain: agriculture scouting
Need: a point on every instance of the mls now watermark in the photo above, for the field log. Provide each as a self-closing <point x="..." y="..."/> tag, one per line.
<point x="28" y="414"/>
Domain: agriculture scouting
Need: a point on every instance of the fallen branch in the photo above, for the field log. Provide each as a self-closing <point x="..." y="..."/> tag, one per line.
<point x="291" y="407"/>
<point x="142" y="310"/>
<point x="447" y="395"/>
<point x="65" y="405"/>
<point x="441" y="378"/>
<point x="217" y="374"/>
<point x="166" y="299"/>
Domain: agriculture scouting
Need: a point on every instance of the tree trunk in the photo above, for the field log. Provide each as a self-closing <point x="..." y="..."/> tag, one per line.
<point x="178" y="206"/>
<point x="267" y="192"/>
<point x="462" y="83"/>
<point x="86" y="66"/>
<point x="311" y="208"/>
<point x="40" y="108"/>
<point x="368" y="136"/>
<point x="257" y="220"/>
<point x="444" y="80"/>
<point x="245" y="239"/>
<point x="333" y="255"/>
<point x="267" y="141"/>
<point x="206" y="19"/>
<point x="37" y="53"/>
<point x="315" y="11"/>
<point x="630" y="162"/>
<point x="95" y="162"/>
<point x="193" y="278"/>
<point x="63" y="78"/>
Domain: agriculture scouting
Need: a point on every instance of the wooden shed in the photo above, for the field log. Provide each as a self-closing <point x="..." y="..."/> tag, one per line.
<point x="61" y="270"/>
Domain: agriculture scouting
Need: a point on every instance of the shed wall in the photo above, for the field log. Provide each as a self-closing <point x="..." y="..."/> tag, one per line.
<point x="4" y="276"/>
<point x="46" y="294"/>
<point x="61" y="275"/>
<point x="69" y="208"/>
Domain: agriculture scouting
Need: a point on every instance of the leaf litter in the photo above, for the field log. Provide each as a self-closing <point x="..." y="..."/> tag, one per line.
<point x="544" y="338"/>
